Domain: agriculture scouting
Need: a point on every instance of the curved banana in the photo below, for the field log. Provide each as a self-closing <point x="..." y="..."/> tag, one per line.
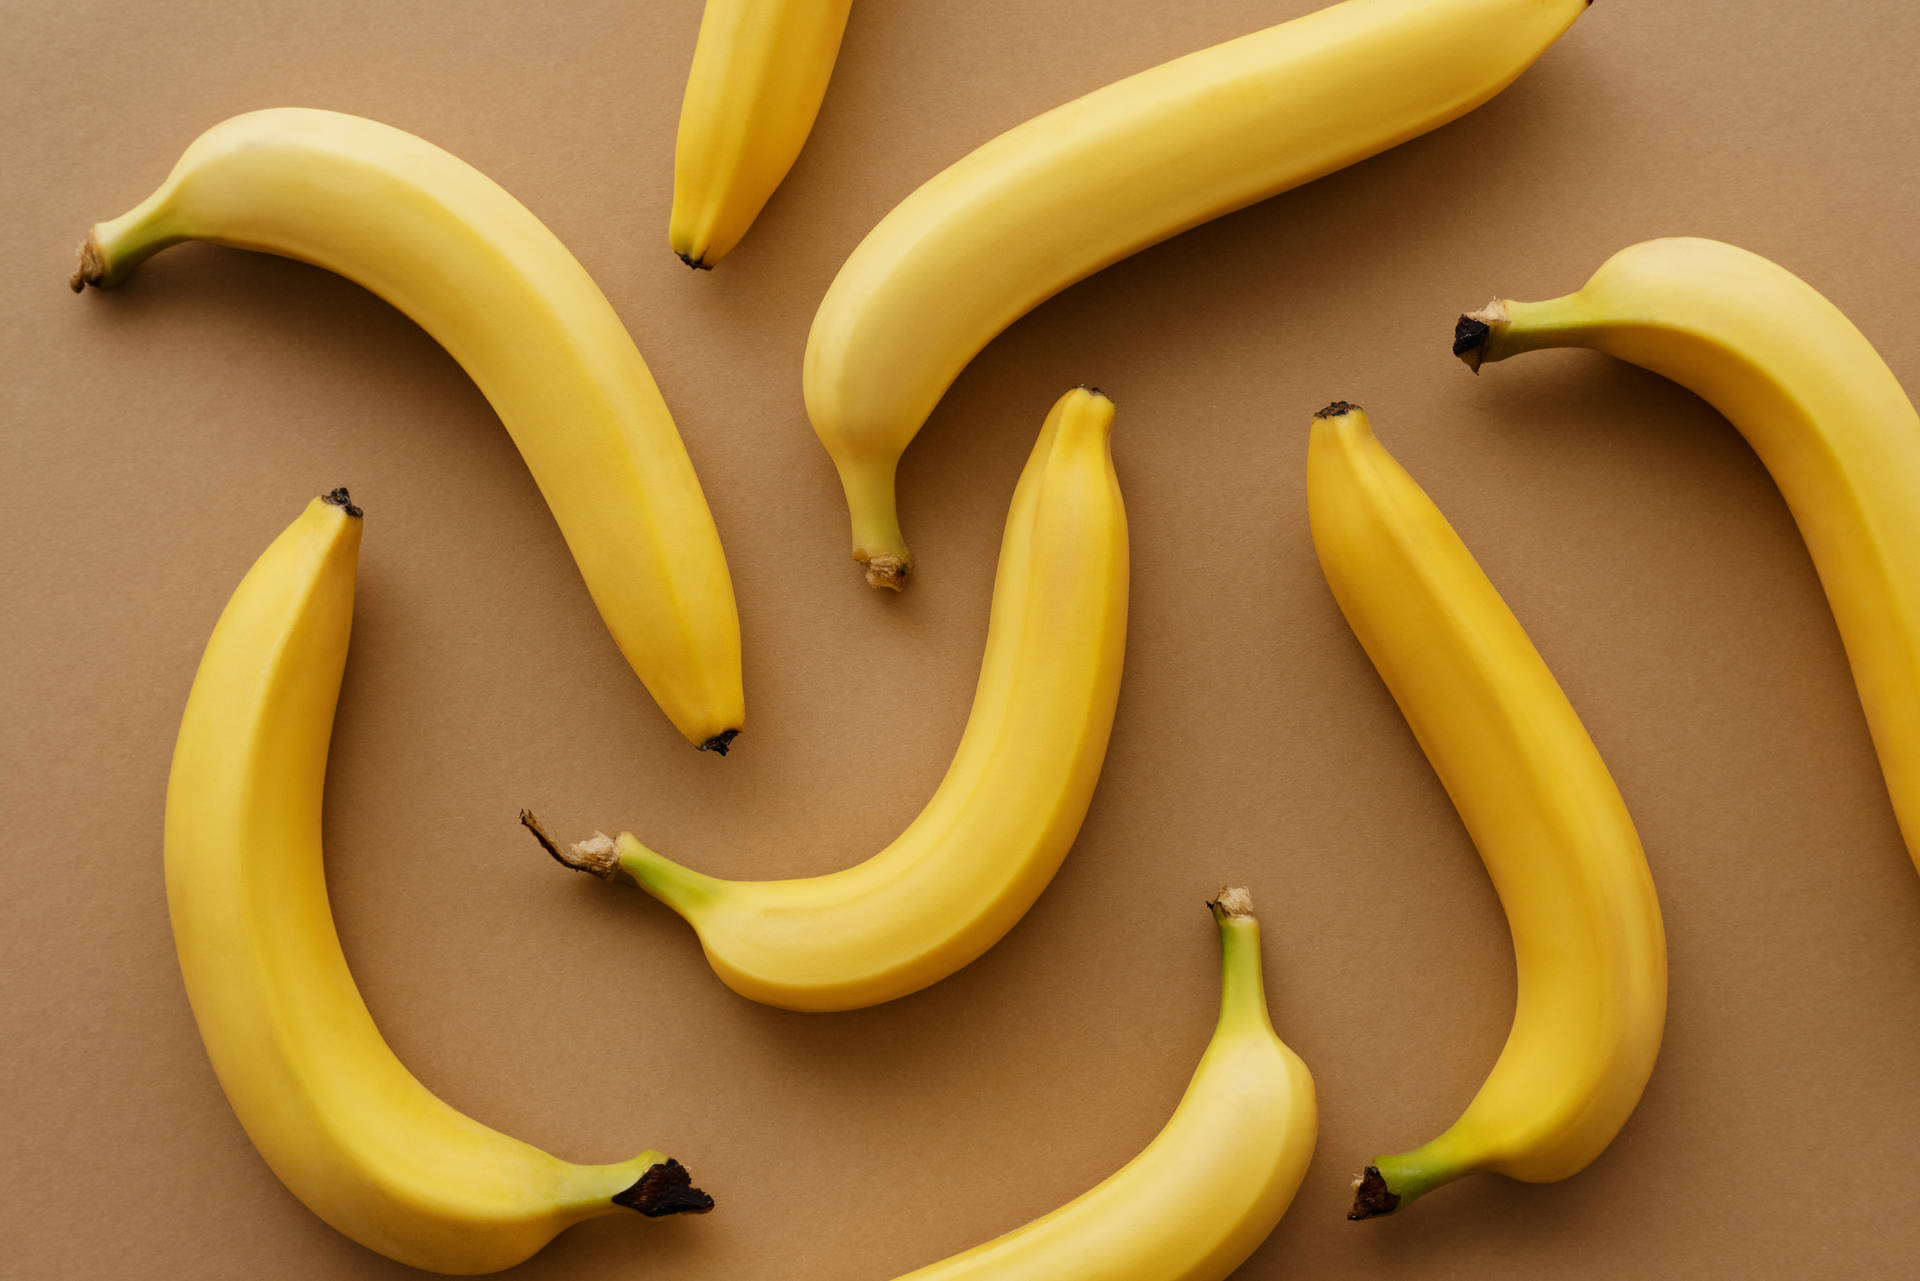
<point x="1820" y="408"/>
<point x="1538" y="802"/>
<point x="1084" y="185"/>
<point x="1012" y="800"/>
<point x="1211" y="1186"/>
<point x="470" y="265"/>
<point x="340" y="1120"/>
<point x="760" y="70"/>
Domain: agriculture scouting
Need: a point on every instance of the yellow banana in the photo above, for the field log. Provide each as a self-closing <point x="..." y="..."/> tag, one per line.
<point x="1820" y="408"/>
<point x="1084" y="185"/>
<point x="1211" y="1186"/>
<point x="469" y="264"/>
<point x="760" y="70"/>
<point x="340" y="1120"/>
<point x="1013" y="798"/>
<point x="1538" y="802"/>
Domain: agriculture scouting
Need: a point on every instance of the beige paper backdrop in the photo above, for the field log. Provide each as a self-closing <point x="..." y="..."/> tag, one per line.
<point x="155" y="439"/>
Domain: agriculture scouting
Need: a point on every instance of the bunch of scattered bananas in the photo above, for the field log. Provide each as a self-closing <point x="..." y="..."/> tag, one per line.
<point x="376" y="1155"/>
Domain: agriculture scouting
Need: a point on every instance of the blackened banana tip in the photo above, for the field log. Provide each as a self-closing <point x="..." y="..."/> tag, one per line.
<point x="1371" y="1197"/>
<point x="666" y="1188"/>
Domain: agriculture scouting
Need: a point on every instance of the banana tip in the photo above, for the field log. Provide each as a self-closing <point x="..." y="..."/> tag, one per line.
<point x="92" y="268"/>
<point x="1371" y="1196"/>
<point x="698" y="264"/>
<point x="597" y="854"/>
<point x="1338" y="409"/>
<point x="1470" y="341"/>
<point x="339" y="497"/>
<point x="1234" y="901"/>
<point x="889" y="572"/>
<point x="720" y="742"/>
<point x="1473" y="331"/>
<point x="666" y="1188"/>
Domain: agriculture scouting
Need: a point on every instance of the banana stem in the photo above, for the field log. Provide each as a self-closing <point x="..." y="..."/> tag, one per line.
<point x="680" y="888"/>
<point x="1393" y="1181"/>
<point x="1506" y="328"/>
<point x="113" y="249"/>
<point x="1243" y="988"/>
<point x="878" y="543"/>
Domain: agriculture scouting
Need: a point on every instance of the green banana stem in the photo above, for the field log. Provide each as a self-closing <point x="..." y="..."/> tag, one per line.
<point x="113" y="249"/>
<point x="877" y="540"/>
<point x="608" y="859"/>
<point x="680" y="888"/>
<point x="1393" y="1181"/>
<point x="1243" y="988"/>
<point x="1506" y="328"/>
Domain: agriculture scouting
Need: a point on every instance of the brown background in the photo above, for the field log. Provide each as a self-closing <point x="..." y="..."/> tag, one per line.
<point x="157" y="438"/>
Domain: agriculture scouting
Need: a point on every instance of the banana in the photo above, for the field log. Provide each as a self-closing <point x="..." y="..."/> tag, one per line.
<point x="1820" y="408"/>
<point x="1538" y="802"/>
<point x="1084" y="185"/>
<point x="1012" y="800"/>
<point x="1211" y="1186"/>
<point x="760" y="70"/>
<point x="335" y="1114"/>
<point x="469" y="264"/>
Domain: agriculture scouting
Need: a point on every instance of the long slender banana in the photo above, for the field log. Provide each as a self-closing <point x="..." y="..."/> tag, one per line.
<point x="1084" y="185"/>
<point x="1538" y="802"/>
<point x="340" y="1120"/>
<point x="760" y="71"/>
<point x="1820" y="408"/>
<point x="1012" y="800"/>
<point x="1211" y="1186"/>
<point x="468" y="262"/>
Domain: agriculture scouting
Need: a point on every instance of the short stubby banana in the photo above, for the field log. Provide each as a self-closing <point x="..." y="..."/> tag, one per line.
<point x="1086" y="184"/>
<point x="340" y="1120"/>
<point x="467" y="262"/>
<point x="1822" y="411"/>
<point x="760" y="71"/>
<point x="1213" y="1183"/>
<point x="1539" y="804"/>
<point x="1013" y="798"/>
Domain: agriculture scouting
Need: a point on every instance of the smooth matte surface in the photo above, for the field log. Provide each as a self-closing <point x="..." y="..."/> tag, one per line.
<point x="156" y="438"/>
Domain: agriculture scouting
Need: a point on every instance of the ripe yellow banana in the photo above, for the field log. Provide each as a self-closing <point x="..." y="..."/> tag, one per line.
<point x="1538" y="802"/>
<point x="469" y="264"/>
<point x="1820" y="408"/>
<point x="1013" y="798"/>
<point x="340" y="1120"/>
<point x="1211" y="1186"/>
<point x="760" y="70"/>
<point x="1084" y="185"/>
